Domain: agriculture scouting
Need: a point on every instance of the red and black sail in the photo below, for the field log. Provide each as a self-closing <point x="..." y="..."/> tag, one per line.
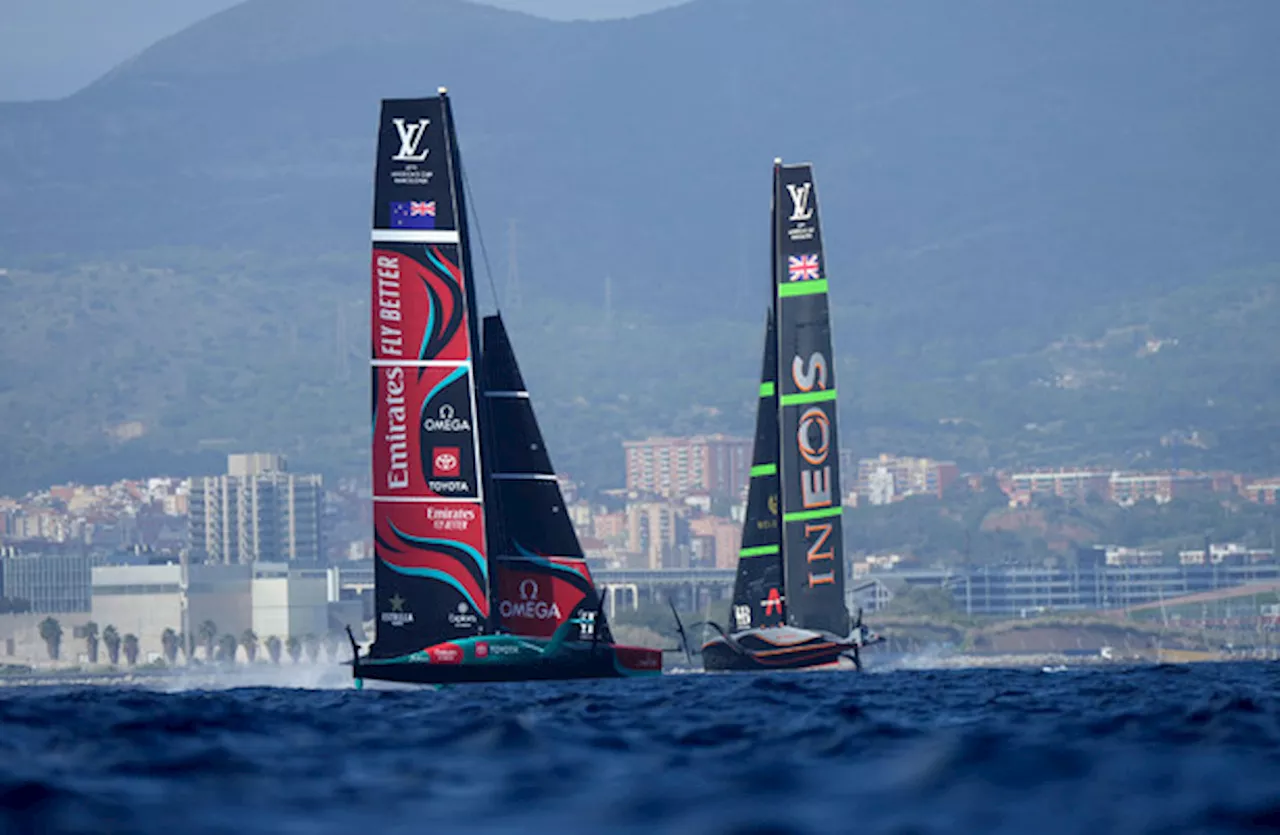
<point x="430" y="544"/>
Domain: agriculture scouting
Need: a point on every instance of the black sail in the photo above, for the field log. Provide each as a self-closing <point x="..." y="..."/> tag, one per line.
<point x="541" y="578"/>
<point x="809" y="474"/>
<point x="757" y="590"/>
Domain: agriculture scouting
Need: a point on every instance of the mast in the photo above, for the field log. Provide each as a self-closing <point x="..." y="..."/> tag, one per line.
<point x="431" y="566"/>
<point x="809" y="464"/>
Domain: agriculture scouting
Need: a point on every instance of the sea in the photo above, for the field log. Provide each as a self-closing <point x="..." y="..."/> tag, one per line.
<point x="1145" y="749"/>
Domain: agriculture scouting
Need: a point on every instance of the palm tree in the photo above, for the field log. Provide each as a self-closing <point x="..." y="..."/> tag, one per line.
<point x="249" y="641"/>
<point x="311" y="644"/>
<point x="294" y="647"/>
<point x="273" y="649"/>
<point x="131" y="649"/>
<point x="91" y="641"/>
<point x="111" y="638"/>
<point x="227" y="649"/>
<point x="331" y="645"/>
<point x="51" y="633"/>
<point x="207" y="632"/>
<point x="169" y="641"/>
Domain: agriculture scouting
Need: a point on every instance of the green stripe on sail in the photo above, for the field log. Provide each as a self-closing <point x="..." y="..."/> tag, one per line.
<point x="802" y="288"/>
<point x="759" y="551"/>
<point x="808" y="397"/>
<point x="764" y="469"/>
<point x="766" y="389"/>
<point x="806" y="515"/>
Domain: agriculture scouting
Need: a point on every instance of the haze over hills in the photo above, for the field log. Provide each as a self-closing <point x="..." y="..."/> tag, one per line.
<point x="995" y="178"/>
<point x="52" y="48"/>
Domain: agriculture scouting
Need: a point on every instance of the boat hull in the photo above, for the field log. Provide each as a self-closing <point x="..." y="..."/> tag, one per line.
<point x="776" y="648"/>
<point x="507" y="658"/>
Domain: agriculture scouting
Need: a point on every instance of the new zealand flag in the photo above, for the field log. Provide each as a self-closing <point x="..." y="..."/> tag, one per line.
<point x="413" y="214"/>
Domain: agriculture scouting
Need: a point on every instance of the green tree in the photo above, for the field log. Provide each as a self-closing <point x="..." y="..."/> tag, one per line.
<point x="130" y="647"/>
<point x="294" y="648"/>
<point x="273" y="649"/>
<point x="207" y="632"/>
<point x="51" y="634"/>
<point x="111" y="638"/>
<point x="249" y="640"/>
<point x="169" y="641"/>
<point x="91" y="641"/>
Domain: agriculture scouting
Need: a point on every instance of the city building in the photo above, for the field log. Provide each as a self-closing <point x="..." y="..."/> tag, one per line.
<point x="889" y="478"/>
<point x="289" y="601"/>
<point x="658" y="532"/>
<point x="672" y="467"/>
<point x="719" y="541"/>
<point x="49" y="583"/>
<point x="1263" y="492"/>
<point x="1067" y="483"/>
<point x="1128" y="488"/>
<point x="258" y="511"/>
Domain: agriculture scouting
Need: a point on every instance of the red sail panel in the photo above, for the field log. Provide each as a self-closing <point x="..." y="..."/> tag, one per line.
<point x="536" y="598"/>
<point x="431" y="565"/>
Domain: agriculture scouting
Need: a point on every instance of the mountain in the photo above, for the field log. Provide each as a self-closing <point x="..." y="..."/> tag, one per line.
<point x="997" y="178"/>
<point x="52" y="48"/>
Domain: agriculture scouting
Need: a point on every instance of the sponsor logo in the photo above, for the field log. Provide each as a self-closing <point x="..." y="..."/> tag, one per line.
<point x="772" y="602"/>
<point x="586" y="626"/>
<point x="813" y="442"/>
<point x="445" y="654"/>
<point x="463" y="618"/>
<point x="450" y="518"/>
<point x="397" y="616"/>
<point x="742" y="616"/>
<point x="482" y="650"/>
<point x="800" y="210"/>
<point x="503" y="649"/>
<point x="440" y="488"/>
<point x="446" y="462"/>
<point x="411" y="139"/>
<point x="387" y="287"/>
<point x="446" y="421"/>
<point x="529" y="606"/>
<point x="802" y="267"/>
<point x="396" y="438"/>
<point x="413" y="214"/>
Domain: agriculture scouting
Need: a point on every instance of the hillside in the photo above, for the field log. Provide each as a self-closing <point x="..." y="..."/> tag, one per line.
<point x="1001" y="184"/>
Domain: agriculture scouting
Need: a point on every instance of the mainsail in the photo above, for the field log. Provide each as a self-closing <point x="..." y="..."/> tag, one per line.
<point x="541" y="578"/>
<point x="430" y="546"/>
<point x="758" y="590"/>
<point x="808" y="466"/>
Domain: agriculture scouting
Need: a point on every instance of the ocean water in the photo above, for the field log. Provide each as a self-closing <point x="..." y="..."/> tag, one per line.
<point x="1156" y="749"/>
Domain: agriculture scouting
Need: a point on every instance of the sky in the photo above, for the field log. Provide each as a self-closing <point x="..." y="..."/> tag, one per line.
<point x="52" y="48"/>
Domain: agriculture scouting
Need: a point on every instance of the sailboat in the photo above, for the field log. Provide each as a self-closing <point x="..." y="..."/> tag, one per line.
<point x="788" y="609"/>
<point x="479" y="575"/>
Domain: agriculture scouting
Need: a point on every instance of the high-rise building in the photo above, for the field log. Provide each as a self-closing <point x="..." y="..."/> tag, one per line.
<point x="257" y="512"/>
<point x="716" y="464"/>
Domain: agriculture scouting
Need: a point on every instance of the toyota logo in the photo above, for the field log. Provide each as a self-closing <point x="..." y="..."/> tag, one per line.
<point x="446" y="461"/>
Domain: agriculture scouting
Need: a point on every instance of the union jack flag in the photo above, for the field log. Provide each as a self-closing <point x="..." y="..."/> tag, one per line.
<point x="419" y="208"/>
<point x="802" y="267"/>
